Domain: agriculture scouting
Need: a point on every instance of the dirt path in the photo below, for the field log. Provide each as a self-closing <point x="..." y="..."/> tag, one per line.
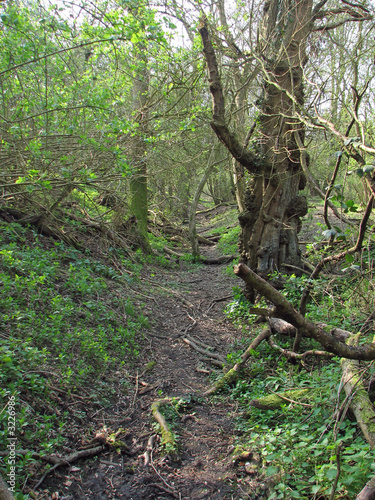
<point x="179" y="302"/>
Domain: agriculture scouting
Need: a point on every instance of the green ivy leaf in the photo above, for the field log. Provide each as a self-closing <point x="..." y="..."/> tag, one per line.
<point x="349" y="258"/>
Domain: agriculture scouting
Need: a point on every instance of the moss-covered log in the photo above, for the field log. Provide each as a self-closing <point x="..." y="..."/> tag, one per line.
<point x="360" y="404"/>
<point x="275" y="401"/>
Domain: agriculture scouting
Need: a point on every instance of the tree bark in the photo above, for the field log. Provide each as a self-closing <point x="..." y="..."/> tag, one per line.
<point x="361" y="405"/>
<point x="368" y="492"/>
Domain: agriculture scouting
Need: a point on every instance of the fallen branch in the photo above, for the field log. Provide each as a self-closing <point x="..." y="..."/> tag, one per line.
<point x="274" y="401"/>
<point x="284" y="310"/>
<point x="59" y="461"/>
<point x="293" y="355"/>
<point x="232" y="375"/>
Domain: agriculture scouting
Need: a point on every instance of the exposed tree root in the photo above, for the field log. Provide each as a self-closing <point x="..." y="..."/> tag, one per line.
<point x="167" y="435"/>
<point x="147" y="454"/>
<point x="205" y="350"/>
<point x="59" y="461"/>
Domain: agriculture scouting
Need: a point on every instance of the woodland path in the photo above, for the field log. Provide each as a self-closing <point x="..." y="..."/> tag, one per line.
<point x="177" y="302"/>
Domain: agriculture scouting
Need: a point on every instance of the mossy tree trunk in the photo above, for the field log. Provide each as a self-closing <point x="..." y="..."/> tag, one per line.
<point x="138" y="182"/>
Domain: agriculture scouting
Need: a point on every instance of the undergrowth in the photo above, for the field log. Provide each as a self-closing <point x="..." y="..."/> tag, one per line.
<point x="68" y="322"/>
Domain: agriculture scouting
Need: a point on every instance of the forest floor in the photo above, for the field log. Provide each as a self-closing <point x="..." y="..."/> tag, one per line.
<point x="178" y="302"/>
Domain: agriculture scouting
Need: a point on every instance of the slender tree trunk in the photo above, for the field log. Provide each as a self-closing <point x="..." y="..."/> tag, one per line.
<point x="138" y="182"/>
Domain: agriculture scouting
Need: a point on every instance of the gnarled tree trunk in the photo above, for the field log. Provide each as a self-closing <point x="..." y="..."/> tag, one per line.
<point x="271" y="222"/>
<point x="273" y="207"/>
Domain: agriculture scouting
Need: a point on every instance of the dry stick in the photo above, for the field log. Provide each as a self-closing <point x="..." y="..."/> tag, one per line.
<point x="227" y="297"/>
<point x="294" y="355"/>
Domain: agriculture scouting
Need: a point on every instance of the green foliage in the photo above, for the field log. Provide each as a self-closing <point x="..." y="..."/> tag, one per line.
<point x="238" y="309"/>
<point x="228" y="243"/>
<point x="66" y="324"/>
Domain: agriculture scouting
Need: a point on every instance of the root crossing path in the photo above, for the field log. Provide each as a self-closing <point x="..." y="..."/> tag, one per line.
<point x="182" y="304"/>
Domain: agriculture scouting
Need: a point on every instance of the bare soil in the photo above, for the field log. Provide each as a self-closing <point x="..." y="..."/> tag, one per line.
<point x="177" y="302"/>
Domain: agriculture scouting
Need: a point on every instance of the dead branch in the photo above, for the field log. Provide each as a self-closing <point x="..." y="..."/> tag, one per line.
<point x="308" y="329"/>
<point x="245" y="157"/>
<point x="293" y="355"/>
<point x="232" y="375"/>
<point x="59" y="461"/>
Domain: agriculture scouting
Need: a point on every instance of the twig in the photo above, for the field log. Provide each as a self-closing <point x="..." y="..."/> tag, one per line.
<point x="221" y="299"/>
<point x="291" y="400"/>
